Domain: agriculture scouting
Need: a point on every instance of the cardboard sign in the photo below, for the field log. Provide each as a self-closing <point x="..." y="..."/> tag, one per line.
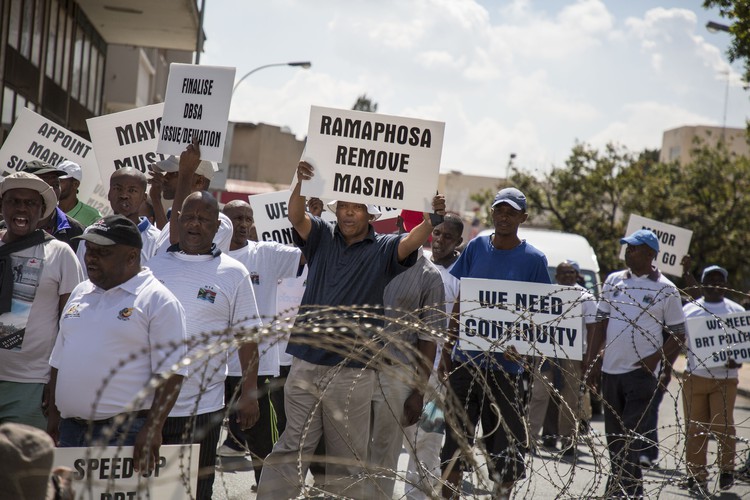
<point x="34" y="137"/>
<point x="107" y="473"/>
<point x="536" y="318"/>
<point x="716" y="339"/>
<point x="196" y="104"/>
<point x="674" y="242"/>
<point x="126" y="139"/>
<point x="372" y="158"/>
<point x="270" y="214"/>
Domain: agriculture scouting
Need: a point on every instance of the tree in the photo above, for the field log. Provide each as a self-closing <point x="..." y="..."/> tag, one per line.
<point x="364" y="103"/>
<point x="738" y="13"/>
<point x="596" y="191"/>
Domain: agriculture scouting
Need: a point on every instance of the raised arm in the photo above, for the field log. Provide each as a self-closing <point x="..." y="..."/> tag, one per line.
<point x="189" y="161"/>
<point x="296" y="209"/>
<point x="419" y="235"/>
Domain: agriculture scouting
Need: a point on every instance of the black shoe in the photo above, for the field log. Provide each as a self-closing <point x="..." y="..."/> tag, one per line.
<point x="567" y="447"/>
<point x="726" y="480"/>
<point x="549" y="442"/>
<point x="697" y="487"/>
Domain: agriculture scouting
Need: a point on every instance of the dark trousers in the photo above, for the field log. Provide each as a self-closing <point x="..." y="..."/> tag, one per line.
<point x="627" y="397"/>
<point x="650" y="444"/>
<point x="203" y="429"/>
<point x="260" y="438"/>
<point x="507" y="444"/>
<point x="76" y="433"/>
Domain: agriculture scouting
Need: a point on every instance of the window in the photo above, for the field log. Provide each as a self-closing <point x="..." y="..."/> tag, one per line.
<point x="52" y="59"/>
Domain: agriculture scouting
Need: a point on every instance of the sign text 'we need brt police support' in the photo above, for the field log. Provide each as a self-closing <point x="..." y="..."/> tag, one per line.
<point x="373" y="158"/>
<point x="536" y="318"/>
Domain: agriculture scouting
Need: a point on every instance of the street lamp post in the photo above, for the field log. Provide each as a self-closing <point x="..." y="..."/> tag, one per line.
<point x="302" y="64"/>
<point x="713" y="27"/>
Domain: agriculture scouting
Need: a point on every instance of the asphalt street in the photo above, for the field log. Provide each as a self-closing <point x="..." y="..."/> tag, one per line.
<point x="552" y="476"/>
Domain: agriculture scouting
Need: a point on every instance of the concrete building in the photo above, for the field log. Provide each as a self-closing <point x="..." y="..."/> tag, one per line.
<point x="677" y="144"/>
<point x="70" y="60"/>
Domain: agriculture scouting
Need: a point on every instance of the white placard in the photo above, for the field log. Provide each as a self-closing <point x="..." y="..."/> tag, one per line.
<point x="107" y="473"/>
<point x="372" y="158"/>
<point x="536" y="318"/>
<point x="716" y="339"/>
<point x="674" y="242"/>
<point x="196" y="104"/>
<point x="270" y="214"/>
<point x="34" y="137"/>
<point x="126" y="139"/>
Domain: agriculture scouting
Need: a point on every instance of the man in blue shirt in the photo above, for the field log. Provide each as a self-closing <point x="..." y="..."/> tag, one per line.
<point x="502" y="256"/>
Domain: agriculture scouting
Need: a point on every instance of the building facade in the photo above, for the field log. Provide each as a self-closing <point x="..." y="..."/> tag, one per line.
<point x="72" y="60"/>
<point x="678" y="144"/>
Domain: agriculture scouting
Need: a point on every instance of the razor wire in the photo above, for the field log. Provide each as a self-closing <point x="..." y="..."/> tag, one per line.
<point x="350" y="332"/>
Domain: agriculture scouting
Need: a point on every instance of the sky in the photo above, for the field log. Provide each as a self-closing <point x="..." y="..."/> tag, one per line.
<point x="530" y="78"/>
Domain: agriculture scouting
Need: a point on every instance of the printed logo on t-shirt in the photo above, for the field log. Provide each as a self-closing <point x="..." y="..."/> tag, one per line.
<point x="72" y="312"/>
<point x="125" y="314"/>
<point x="255" y="278"/>
<point x="648" y="299"/>
<point x="205" y="293"/>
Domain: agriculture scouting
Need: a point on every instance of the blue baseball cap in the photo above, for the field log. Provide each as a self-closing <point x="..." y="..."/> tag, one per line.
<point x="715" y="269"/>
<point x="512" y="197"/>
<point x="642" y="237"/>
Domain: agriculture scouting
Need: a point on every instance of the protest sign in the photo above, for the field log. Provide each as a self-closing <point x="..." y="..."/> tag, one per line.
<point x="126" y="139"/>
<point x="196" y="104"/>
<point x="716" y="339"/>
<point x="108" y="473"/>
<point x="536" y="318"/>
<point x="372" y="158"/>
<point x="34" y="137"/>
<point x="674" y="242"/>
<point x="270" y="214"/>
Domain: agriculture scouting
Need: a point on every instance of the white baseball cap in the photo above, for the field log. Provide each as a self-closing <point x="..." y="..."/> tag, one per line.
<point x="72" y="170"/>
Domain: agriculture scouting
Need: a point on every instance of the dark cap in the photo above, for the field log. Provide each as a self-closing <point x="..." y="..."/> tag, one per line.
<point x="512" y="197"/>
<point x="38" y="167"/>
<point x="113" y="230"/>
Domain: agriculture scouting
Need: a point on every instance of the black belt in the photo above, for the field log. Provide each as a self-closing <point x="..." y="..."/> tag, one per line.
<point x="123" y="417"/>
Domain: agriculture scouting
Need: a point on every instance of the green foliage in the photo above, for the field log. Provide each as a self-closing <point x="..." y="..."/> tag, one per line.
<point x="596" y="191"/>
<point x="364" y="103"/>
<point x="737" y="12"/>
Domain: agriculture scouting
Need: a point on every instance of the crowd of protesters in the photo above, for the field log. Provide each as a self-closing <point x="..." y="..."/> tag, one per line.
<point x="94" y="309"/>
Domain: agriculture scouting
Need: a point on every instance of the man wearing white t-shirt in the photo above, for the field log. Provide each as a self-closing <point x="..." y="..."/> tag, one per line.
<point x="709" y="394"/>
<point x="267" y="262"/>
<point x="38" y="274"/>
<point x="542" y="388"/>
<point x="638" y="308"/>
<point x="120" y="329"/>
<point x="219" y="303"/>
<point x="127" y="191"/>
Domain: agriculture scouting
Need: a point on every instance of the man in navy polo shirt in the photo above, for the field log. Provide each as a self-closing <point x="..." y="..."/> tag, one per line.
<point x="328" y="392"/>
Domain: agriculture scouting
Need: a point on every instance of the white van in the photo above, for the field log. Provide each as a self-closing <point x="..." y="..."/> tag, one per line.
<point x="558" y="247"/>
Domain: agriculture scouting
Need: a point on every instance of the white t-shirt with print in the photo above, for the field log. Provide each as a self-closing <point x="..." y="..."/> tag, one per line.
<point x="639" y="309"/>
<point x="218" y="299"/>
<point x="267" y="262"/>
<point x="41" y="274"/>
